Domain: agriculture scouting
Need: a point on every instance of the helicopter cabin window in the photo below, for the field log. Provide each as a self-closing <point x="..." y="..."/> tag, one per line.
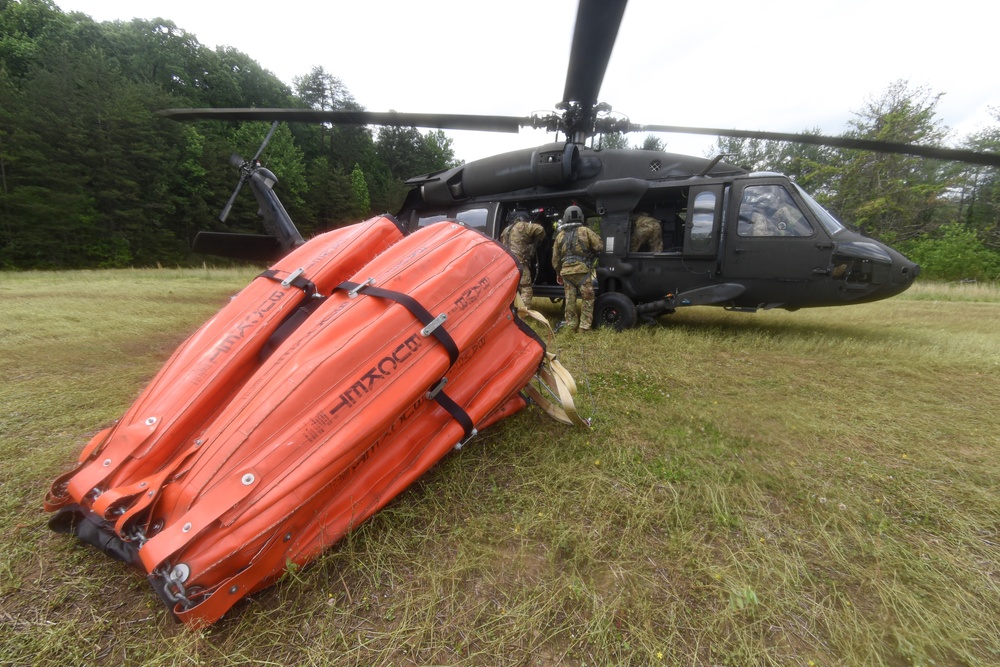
<point x="475" y="218"/>
<point x="700" y="238"/>
<point x="428" y="220"/>
<point x="768" y="210"/>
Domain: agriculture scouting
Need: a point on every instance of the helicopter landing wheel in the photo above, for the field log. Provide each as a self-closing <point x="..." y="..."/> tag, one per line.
<point x="615" y="311"/>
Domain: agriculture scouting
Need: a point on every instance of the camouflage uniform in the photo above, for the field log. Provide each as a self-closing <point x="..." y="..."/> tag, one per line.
<point x="774" y="214"/>
<point x="646" y="234"/>
<point x="573" y="255"/>
<point x="782" y="221"/>
<point x="522" y="238"/>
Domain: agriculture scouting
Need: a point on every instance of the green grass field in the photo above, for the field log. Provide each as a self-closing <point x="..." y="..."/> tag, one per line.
<point x="810" y="488"/>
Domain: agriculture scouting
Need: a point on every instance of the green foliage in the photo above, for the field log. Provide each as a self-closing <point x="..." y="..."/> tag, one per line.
<point x="360" y="188"/>
<point x="751" y="154"/>
<point x="22" y="33"/>
<point x="980" y="187"/>
<point x="613" y="140"/>
<point x="618" y="140"/>
<point x="894" y="194"/>
<point x="330" y="197"/>
<point x="954" y="252"/>
<point x="91" y="176"/>
<point x="322" y="91"/>
<point x="408" y="152"/>
<point x="653" y="143"/>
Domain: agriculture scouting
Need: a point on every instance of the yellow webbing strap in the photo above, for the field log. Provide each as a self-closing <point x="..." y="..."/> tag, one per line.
<point x="553" y="376"/>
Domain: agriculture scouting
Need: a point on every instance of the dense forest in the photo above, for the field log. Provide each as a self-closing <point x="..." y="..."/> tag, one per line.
<point x="91" y="176"/>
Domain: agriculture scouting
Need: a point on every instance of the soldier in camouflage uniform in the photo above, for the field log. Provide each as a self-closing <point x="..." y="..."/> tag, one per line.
<point x="522" y="237"/>
<point x="574" y="253"/>
<point x="646" y="234"/>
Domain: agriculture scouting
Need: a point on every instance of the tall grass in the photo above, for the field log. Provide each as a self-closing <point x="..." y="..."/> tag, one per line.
<point x="809" y="488"/>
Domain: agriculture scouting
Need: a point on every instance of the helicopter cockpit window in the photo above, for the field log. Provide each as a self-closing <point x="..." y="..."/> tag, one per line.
<point x="768" y="210"/>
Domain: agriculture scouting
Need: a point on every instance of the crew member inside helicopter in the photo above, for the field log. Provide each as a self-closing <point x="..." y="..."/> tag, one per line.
<point x="647" y="234"/>
<point x="768" y="210"/>
<point x="522" y="236"/>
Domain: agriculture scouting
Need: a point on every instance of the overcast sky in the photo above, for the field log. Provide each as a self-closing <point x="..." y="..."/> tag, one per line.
<point x="777" y="65"/>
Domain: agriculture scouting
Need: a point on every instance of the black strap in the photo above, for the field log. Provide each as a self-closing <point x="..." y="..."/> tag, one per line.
<point x="304" y="284"/>
<point x="411" y="305"/>
<point x="457" y="413"/>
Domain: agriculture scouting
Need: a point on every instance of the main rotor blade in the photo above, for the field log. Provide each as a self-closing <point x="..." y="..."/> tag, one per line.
<point x="267" y="139"/>
<point x="390" y="118"/>
<point x="597" y="23"/>
<point x="934" y="152"/>
<point x="232" y="200"/>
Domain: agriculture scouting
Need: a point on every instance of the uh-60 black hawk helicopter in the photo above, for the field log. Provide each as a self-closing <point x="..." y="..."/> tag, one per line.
<point x="743" y="241"/>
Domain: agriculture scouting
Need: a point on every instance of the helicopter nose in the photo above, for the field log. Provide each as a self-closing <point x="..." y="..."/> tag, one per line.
<point x="904" y="271"/>
<point x="885" y="271"/>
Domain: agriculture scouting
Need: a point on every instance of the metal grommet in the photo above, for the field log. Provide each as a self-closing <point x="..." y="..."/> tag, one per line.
<point x="186" y="528"/>
<point x="248" y="479"/>
<point x="150" y="421"/>
<point x="107" y="462"/>
<point x="180" y="573"/>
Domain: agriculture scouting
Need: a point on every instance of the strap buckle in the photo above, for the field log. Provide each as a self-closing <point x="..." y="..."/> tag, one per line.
<point x="434" y="324"/>
<point x="461" y="443"/>
<point x="436" y="389"/>
<point x="292" y="276"/>
<point x="353" y="292"/>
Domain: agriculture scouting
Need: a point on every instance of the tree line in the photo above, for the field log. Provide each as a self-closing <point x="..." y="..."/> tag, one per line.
<point x="91" y="176"/>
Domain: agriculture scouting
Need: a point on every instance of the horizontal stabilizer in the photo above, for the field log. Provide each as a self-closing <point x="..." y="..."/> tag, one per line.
<point x="252" y="247"/>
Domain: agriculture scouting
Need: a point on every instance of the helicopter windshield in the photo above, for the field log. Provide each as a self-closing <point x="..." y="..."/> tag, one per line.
<point x="830" y="223"/>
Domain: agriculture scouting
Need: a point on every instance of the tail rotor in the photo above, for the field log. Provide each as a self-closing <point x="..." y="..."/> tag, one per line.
<point x="282" y="235"/>
<point x="247" y="169"/>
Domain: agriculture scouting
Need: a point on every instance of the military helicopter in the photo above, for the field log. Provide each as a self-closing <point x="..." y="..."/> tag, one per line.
<point x="743" y="241"/>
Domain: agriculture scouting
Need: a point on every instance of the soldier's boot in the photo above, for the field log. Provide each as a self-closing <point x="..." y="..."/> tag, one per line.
<point x="586" y="316"/>
<point x="526" y="288"/>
